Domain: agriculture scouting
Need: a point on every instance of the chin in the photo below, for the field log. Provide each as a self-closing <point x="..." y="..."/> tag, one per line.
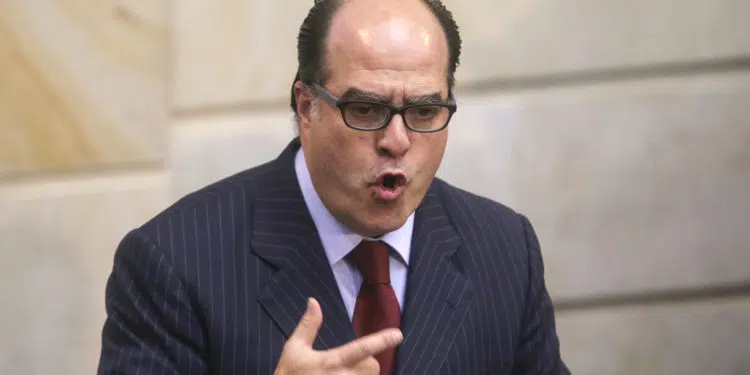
<point x="387" y="222"/>
<point x="375" y="231"/>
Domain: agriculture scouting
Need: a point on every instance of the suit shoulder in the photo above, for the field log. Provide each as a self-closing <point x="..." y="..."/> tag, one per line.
<point x="470" y="213"/>
<point x="487" y="226"/>
<point x="479" y="205"/>
<point x="227" y="197"/>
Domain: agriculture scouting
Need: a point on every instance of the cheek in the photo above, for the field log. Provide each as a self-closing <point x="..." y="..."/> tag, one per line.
<point x="434" y="148"/>
<point x="346" y="151"/>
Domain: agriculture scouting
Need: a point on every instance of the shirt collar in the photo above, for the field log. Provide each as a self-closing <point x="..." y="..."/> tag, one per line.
<point x="337" y="239"/>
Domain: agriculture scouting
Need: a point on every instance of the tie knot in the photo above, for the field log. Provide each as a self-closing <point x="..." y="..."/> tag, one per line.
<point x="371" y="258"/>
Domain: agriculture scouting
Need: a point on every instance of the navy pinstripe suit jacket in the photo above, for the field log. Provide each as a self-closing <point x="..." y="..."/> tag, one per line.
<point x="215" y="283"/>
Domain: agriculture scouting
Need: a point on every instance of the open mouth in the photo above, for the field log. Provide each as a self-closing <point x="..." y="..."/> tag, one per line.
<point x="392" y="181"/>
<point x="390" y="186"/>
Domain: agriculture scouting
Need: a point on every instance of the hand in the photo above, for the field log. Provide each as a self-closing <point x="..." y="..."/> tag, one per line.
<point x="299" y="358"/>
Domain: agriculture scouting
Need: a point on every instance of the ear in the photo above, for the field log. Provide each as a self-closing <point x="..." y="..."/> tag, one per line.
<point x="304" y="103"/>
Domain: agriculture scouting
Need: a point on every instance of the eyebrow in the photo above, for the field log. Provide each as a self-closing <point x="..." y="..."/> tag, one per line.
<point x="354" y="93"/>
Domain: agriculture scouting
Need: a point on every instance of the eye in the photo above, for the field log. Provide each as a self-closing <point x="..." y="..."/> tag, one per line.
<point x="365" y="111"/>
<point x="361" y="109"/>
<point x="426" y="112"/>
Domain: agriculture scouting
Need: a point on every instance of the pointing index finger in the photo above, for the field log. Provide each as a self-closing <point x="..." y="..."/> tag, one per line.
<point x="367" y="346"/>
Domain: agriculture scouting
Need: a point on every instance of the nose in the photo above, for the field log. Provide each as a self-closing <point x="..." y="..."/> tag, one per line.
<point x="394" y="140"/>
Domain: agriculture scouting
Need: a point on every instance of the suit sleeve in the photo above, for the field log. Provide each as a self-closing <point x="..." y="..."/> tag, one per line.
<point x="539" y="349"/>
<point x="151" y="327"/>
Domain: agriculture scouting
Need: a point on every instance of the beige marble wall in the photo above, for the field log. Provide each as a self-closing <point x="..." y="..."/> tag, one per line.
<point x="520" y="38"/>
<point x="235" y="52"/>
<point x="58" y="239"/>
<point x="109" y="111"/>
<point x="82" y="84"/>
<point x="83" y="135"/>
<point x="689" y="338"/>
<point x="632" y="186"/>
<point x="231" y="52"/>
<point x="210" y="147"/>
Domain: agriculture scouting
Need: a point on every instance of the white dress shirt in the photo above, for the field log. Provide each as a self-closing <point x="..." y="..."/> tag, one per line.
<point x="338" y="241"/>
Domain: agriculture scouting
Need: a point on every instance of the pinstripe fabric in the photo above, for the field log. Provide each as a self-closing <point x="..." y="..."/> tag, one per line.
<point x="215" y="283"/>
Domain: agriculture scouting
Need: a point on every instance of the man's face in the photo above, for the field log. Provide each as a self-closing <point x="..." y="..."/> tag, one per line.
<point x="389" y="51"/>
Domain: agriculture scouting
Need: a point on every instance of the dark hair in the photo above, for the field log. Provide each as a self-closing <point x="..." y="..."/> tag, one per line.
<point x="314" y="31"/>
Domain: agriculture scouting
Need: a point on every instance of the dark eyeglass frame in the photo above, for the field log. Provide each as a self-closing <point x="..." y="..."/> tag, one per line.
<point x="341" y="104"/>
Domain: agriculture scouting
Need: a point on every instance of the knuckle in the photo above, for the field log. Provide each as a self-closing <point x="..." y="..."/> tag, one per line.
<point x="332" y="360"/>
<point x="366" y="348"/>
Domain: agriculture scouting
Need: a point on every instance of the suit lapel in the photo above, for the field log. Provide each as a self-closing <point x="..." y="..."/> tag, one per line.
<point x="438" y="295"/>
<point x="438" y="292"/>
<point x="285" y="236"/>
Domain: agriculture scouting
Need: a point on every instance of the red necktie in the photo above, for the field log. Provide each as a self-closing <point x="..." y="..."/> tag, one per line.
<point x="377" y="306"/>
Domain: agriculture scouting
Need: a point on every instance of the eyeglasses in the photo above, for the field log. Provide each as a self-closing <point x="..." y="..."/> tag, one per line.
<point x="370" y="115"/>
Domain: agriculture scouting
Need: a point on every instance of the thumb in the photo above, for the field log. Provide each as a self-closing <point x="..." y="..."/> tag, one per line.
<point x="309" y="325"/>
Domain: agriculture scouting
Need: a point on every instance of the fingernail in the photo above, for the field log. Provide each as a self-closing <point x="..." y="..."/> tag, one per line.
<point x="398" y="335"/>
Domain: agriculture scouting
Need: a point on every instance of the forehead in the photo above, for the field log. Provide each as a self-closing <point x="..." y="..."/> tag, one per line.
<point x="390" y="47"/>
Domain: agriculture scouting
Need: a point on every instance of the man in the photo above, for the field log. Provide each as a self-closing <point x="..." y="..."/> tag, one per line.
<point x="345" y="255"/>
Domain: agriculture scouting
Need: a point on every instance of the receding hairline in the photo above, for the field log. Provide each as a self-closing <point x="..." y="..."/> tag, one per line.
<point x="342" y="29"/>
